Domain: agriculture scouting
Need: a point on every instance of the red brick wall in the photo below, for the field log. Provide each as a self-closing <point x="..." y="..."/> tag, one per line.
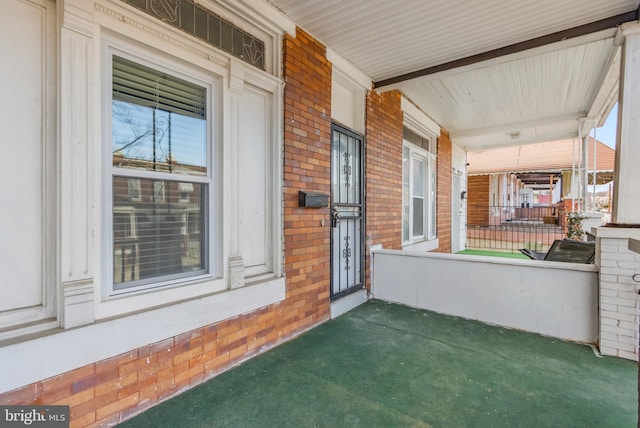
<point x="383" y="171"/>
<point x="307" y="166"/>
<point x="109" y="391"/>
<point x="478" y="199"/>
<point x="443" y="192"/>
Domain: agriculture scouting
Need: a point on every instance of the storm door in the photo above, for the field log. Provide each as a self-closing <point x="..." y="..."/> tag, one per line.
<point x="347" y="211"/>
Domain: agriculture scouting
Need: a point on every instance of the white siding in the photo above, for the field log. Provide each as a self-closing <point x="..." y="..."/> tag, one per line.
<point x="22" y="132"/>
<point x="254" y="191"/>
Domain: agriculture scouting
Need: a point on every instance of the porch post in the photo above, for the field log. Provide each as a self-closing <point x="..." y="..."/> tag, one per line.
<point x="626" y="203"/>
<point x="76" y="163"/>
<point x="619" y="314"/>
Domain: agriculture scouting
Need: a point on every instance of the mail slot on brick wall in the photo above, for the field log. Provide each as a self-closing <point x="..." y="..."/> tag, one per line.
<point x="313" y="199"/>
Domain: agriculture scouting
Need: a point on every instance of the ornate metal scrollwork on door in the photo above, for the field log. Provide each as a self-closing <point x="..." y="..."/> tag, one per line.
<point x="346" y="252"/>
<point x="347" y="169"/>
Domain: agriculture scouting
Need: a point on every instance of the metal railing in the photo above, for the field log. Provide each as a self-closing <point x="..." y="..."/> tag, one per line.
<point x="510" y="228"/>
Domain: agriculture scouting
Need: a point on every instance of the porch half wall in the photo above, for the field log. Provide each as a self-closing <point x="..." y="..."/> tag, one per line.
<point x="550" y="298"/>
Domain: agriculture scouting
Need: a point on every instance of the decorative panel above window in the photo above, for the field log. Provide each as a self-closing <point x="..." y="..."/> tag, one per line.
<point x="206" y="25"/>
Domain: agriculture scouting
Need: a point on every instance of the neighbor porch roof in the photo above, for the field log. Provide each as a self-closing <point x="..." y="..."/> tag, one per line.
<point x="492" y="72"/>
<point x="549" y="156"/>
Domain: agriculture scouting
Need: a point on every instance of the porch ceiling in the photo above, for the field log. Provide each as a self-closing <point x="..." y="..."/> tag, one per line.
<point x="484" y="70"/>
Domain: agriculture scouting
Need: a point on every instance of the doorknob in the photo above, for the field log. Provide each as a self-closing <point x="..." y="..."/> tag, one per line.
<point x="335" y="218"/>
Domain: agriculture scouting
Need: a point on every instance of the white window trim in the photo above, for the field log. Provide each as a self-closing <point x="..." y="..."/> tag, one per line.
<point x="85" y="345"/>
<point x="416" y="120"/>
<point x="172" y="65"/>
<point x="147" y="32"/>
<point x="429" y="159"/>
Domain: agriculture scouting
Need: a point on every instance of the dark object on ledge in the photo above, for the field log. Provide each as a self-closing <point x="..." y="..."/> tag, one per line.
<point x="565" y="250"/>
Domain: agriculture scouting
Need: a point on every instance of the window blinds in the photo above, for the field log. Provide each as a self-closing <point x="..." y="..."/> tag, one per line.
<point x="137" y="84"/>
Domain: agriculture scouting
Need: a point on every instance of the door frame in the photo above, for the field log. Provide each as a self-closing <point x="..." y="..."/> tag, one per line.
<point x="362" y="177"/>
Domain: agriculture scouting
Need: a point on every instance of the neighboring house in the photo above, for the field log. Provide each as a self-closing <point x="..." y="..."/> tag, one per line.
<point x="534" y="176"/>
<point x="191" y="183"/>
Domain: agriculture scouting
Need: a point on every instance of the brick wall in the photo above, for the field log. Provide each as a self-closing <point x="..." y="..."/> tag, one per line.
<point x="478" y="199"/>
<point x="307" y="166"/>
<point x="383" y="157"/>
<point x="443" y="192"/>
<point x="109" y="391"/>
<point x="619" y="316"/>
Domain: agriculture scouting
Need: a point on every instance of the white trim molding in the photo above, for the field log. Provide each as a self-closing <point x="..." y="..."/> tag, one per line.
<point x="85" y="345"/>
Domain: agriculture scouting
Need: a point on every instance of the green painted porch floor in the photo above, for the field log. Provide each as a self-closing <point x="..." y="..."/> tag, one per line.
<point x="385" y="365"/>
<point x="493" y="254"/>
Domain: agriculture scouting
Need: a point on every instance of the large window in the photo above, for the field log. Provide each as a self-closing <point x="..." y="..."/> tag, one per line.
<point x="160" y="175"/>
<point x="418" y="188"/>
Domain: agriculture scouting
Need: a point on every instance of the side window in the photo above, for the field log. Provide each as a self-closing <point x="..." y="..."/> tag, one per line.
<point x="418" y="188"/>
<point x="159" y="175"/>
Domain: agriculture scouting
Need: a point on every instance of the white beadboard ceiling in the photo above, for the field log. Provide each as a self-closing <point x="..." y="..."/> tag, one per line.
<point x="524" y="97"/>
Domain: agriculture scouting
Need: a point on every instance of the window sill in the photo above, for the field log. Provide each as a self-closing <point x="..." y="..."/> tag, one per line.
<point x="85" y="345"/>
<point x="429" y="245"/>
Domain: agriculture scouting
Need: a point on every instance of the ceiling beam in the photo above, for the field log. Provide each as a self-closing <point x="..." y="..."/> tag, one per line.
<point x="581" y="30"/>
<point x="516" y="127"/>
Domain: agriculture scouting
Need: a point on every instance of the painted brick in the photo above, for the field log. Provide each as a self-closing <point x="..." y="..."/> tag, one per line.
<point x="628" y="340"/>
<point x="617" y="301"/>
<point x="609" y="248"/>
<point x="628" y="355"/>
<point x="632" y="328"/>
<point x="616" y="330"/>
<point x="607" y="350"/>
<point x="608" y="307"/>
<point x="626" y="256"/>
<point x="619" y="346"/>
<point x="627" y="295"/>
<point x="617" y="286"/>
<point x="612" y="318"/>
<point x="629" y="310"/>
<point x="625" y="264"/>
<point x="627" y="279"/>
<point x="611" y="337"/>
<point x="608" y="292"/>
<point x="617" y="271"/>
<point x="612" y="263"/>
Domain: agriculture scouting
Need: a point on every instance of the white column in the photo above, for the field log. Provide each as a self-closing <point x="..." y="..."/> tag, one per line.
<point x="236" y="88"/>
<point x="76" y="174"/>
<point x="626" y="197"/>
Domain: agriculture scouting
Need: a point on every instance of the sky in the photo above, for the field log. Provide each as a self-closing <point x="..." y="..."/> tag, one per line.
<point x="607" y="133"/>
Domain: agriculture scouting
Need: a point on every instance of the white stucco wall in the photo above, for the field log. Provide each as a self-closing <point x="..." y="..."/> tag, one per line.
<point x="550" y="298"/>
